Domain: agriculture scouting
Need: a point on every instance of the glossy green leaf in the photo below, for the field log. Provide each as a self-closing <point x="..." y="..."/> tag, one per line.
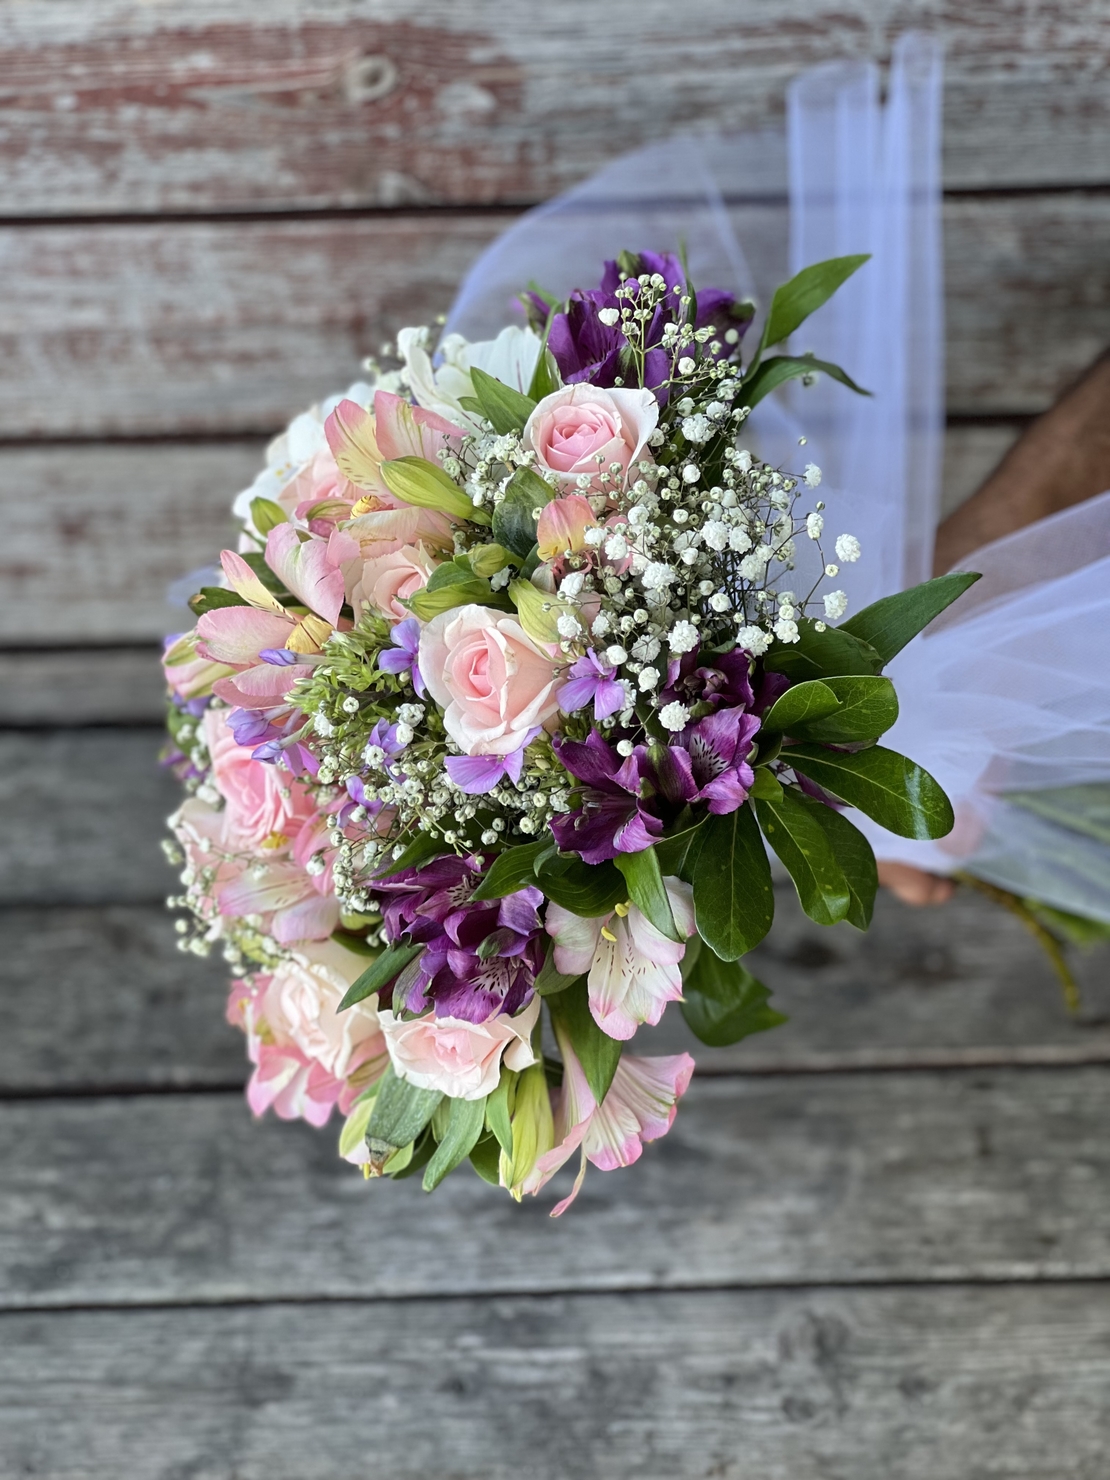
<point x="514" y="518"/>
<point x="868" y="706"/>
<point x="379" y="974"/>
<point x="794" y="301"/>
<point x="499" y="1109"/>
<point x="449" y="585"/>
<point x="808" y="700"/>
<point x="485" y="1158"/>
<point x="734" y="902"/>
<point x="267" y="515"/>
<point x="888" y="625"/>
<point x="807" y="853"/>
<point x="504" y="408"/>
<point x="586" y="889"/>
<point x="856" y="859"/>
<point x="417" y="481"/>
<point x="549" y="979"/>
<point x="357" y="944"/>
<point x="722" y="1002"/>
<point x="776" y="371"/>
<point x="421" y="1153"/>
<point x="677" y="853"/>
<point x="646" y="890"/>
<point x="423" y="847"/>
<point x="545" y="377"/>
<point x="401" y="1111"/>
<point x="890" y="788"/>
<point x="511" y="870"/>
<point x="464" y="1125"/>
<point x="829" y="654"/>
<point x="212" y="598"/>
<point x="598" y="1054"/>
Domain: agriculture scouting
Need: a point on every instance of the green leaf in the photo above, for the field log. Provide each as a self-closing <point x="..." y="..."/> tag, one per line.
<point x="676" y="853"/>
<point x="422" y="1149"/>
<point x="511" y="870"/>
<point x="868" y="708"/>
<point x="891" y="789"/>
<point x="485" y="1158"/>
<point x="598" y="1054"/>
<point x="776" y="371"/>
<point x="890" y="623"/>
<point x="829" y="654"/>
<point x="401" y="1111"/>
<point x="808" y="700"/>
<point x="853" y="853"/>
<point x="807" y="852"/>
<point x="647" y="891"/>
<point x="212" y="598"/>
<point x="723" y="1002"/>
<point x="805" y="293"/>
<point x="464" y="1125"/>
<point x="266" y="515"/>
<point x="514" y="519"/>
<point x="505" y="409"/>
<point x="549" y="979"/>
<point x="257" y="562"/>
<point x="545" y="377"/>
<point x="379" y="974"/>
<point x="734" y="902"/>
<point x="420" y="482"/>
<point x="449" y="585"/>
<point x="499" y="1110"/>
<point x="423" y="847"/>
<point x="586" y="889"/>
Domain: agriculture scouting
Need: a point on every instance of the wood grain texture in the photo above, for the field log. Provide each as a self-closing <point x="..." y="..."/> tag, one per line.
<point x="999" y="1174"/>
<point x="89" y="558"/>
<point x="953" y="1384"/>
<point x="101" y="999"/>
<point x="105" y="108"/>
<point x="229" y="328"/>
<point x="73" y="687"/>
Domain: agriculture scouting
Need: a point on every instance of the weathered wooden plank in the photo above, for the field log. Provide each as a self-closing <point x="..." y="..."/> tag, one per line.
<point x="817" y="1384"/>
<point x="101" y="999"/>
<point x="995" y="1174"/>
<point x="89" y="558"/>
<point x="231" y="327"/>
<point x="120" y="686"/>
<point x="103" y="109"/>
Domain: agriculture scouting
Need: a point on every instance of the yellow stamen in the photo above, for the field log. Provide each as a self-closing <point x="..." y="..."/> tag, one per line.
<point x="607" y="933"/>
<point x="275" y="840"/>
<point x="365" y="505"/>
<point x="622" y="909"/>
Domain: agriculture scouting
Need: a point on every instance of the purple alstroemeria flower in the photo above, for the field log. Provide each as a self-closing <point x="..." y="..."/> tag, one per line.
<point x="481" y="957"/>
<point x="591" y="679"/>
<point x="719" y="679"/>
<point x="613" y="817"/>
<point x="402" y="656"/>
<point x="708" y="761"/>
<point x="476" y="774"/>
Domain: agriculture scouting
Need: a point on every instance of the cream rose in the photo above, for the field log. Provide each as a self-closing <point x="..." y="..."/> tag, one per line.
<point x="385" y="580"/>
<point x="462" y="1059"/>
<point x="583" y="429"/>
<point x="492" y="681"/>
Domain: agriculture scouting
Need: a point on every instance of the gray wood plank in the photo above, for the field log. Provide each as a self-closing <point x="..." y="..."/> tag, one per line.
<point x="106" y="109"/>
<point x="75" y="687"/>
<point x="89" y="558"/>
<point x="101" y="999"/>
<point x="230" y="327"/>
<point x="950" y="1384"/>
<point x="991" y="1174"/>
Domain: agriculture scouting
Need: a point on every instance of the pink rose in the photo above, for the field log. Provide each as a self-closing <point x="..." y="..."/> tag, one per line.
<point x="583" y="429"/>
<point x="308" y="1056"/>
<point x="492" y="681"/>
<point x="462" y="1059"/>
<point x="262" y="798"/>
<point x="385" y="580"/>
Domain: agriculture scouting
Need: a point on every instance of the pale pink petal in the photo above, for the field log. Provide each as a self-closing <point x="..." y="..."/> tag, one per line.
<point x="411" y="431"/>
<point x="244" y="581"/>
<point x="263" y="687"/>
<point x="575" y="939"/>
<point x="350" y="433"/>
<point x="304" y="567"/>
<point x="562" y="526"/>
<point x="237" y="634"/>
<point x="313" y="918"/>
<point x="633" y="976"/>
<point x="640" y="1106"/>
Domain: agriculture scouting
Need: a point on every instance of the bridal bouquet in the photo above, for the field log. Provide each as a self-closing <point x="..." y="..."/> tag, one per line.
<point x="494" y="709"/>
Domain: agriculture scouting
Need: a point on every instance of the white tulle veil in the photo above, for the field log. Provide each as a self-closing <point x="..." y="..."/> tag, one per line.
<point x="1006" y="700"/>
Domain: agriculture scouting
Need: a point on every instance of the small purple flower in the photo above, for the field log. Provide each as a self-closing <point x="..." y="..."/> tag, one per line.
<point x="402" y="656"/>
<point x="280" y="657"/>
<point x="477" y="774"/>
<point x="591" y="678"/>
<point x="613" y="817"/>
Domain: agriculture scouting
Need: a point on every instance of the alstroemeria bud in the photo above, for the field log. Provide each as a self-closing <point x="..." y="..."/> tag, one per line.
<point x="533" y="1127"/>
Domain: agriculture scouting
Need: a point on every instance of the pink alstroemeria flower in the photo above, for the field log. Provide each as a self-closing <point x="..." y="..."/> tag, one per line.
<point x="640" y="1106"/>
<point x="633" y="967"/>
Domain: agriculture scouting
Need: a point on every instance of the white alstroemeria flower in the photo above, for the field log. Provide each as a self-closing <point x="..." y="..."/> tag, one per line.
<point x="633" y="967"/>
<point x="510" y="358"/>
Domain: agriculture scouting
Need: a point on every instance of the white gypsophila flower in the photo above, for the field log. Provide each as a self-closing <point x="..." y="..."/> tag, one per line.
<point x="501" y="578"/>
<point x="571" y="585"/>
<point x="323" y="726"/>
<point x="752" y="566"/>
<point x="689" y="557"/>
<point x="832" y="570"/>
<point x="625" y="747"/>
<point x="616" y="546"/>
<point x="674" y="716"/>
<point x="657" y="576"/>
<point x="815" y="523"/>
<point x="596" y="533"/>
<point x="720" y="601"/>
<point x="616" y="655"/>
<point x="610" y="317"/>
<point x="686" y="366"/>
<point x="685" y="406"/>
<point x="847" y="548"/>
<point x="645" y="648"/>
<point x="836" y="604"/>
<point x="786" y="630"/>
<point x="744" y="460"/>
<point x="638" y="515"/>
<point x="691" y="473"/>
<point x="739" y="540"/>
<point x="601" y="624"/>
<point x="568" y="626"/>
<point x="753" y="640"/>
<point x="350" y="705"/>
<point x="715" y="534"/>
<point x="683" y="637"/>
<point x="697" y="429"/>
<point x="812" y="475"/>
<point x="649" y="677"/>
<point x="410" y="714"/>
